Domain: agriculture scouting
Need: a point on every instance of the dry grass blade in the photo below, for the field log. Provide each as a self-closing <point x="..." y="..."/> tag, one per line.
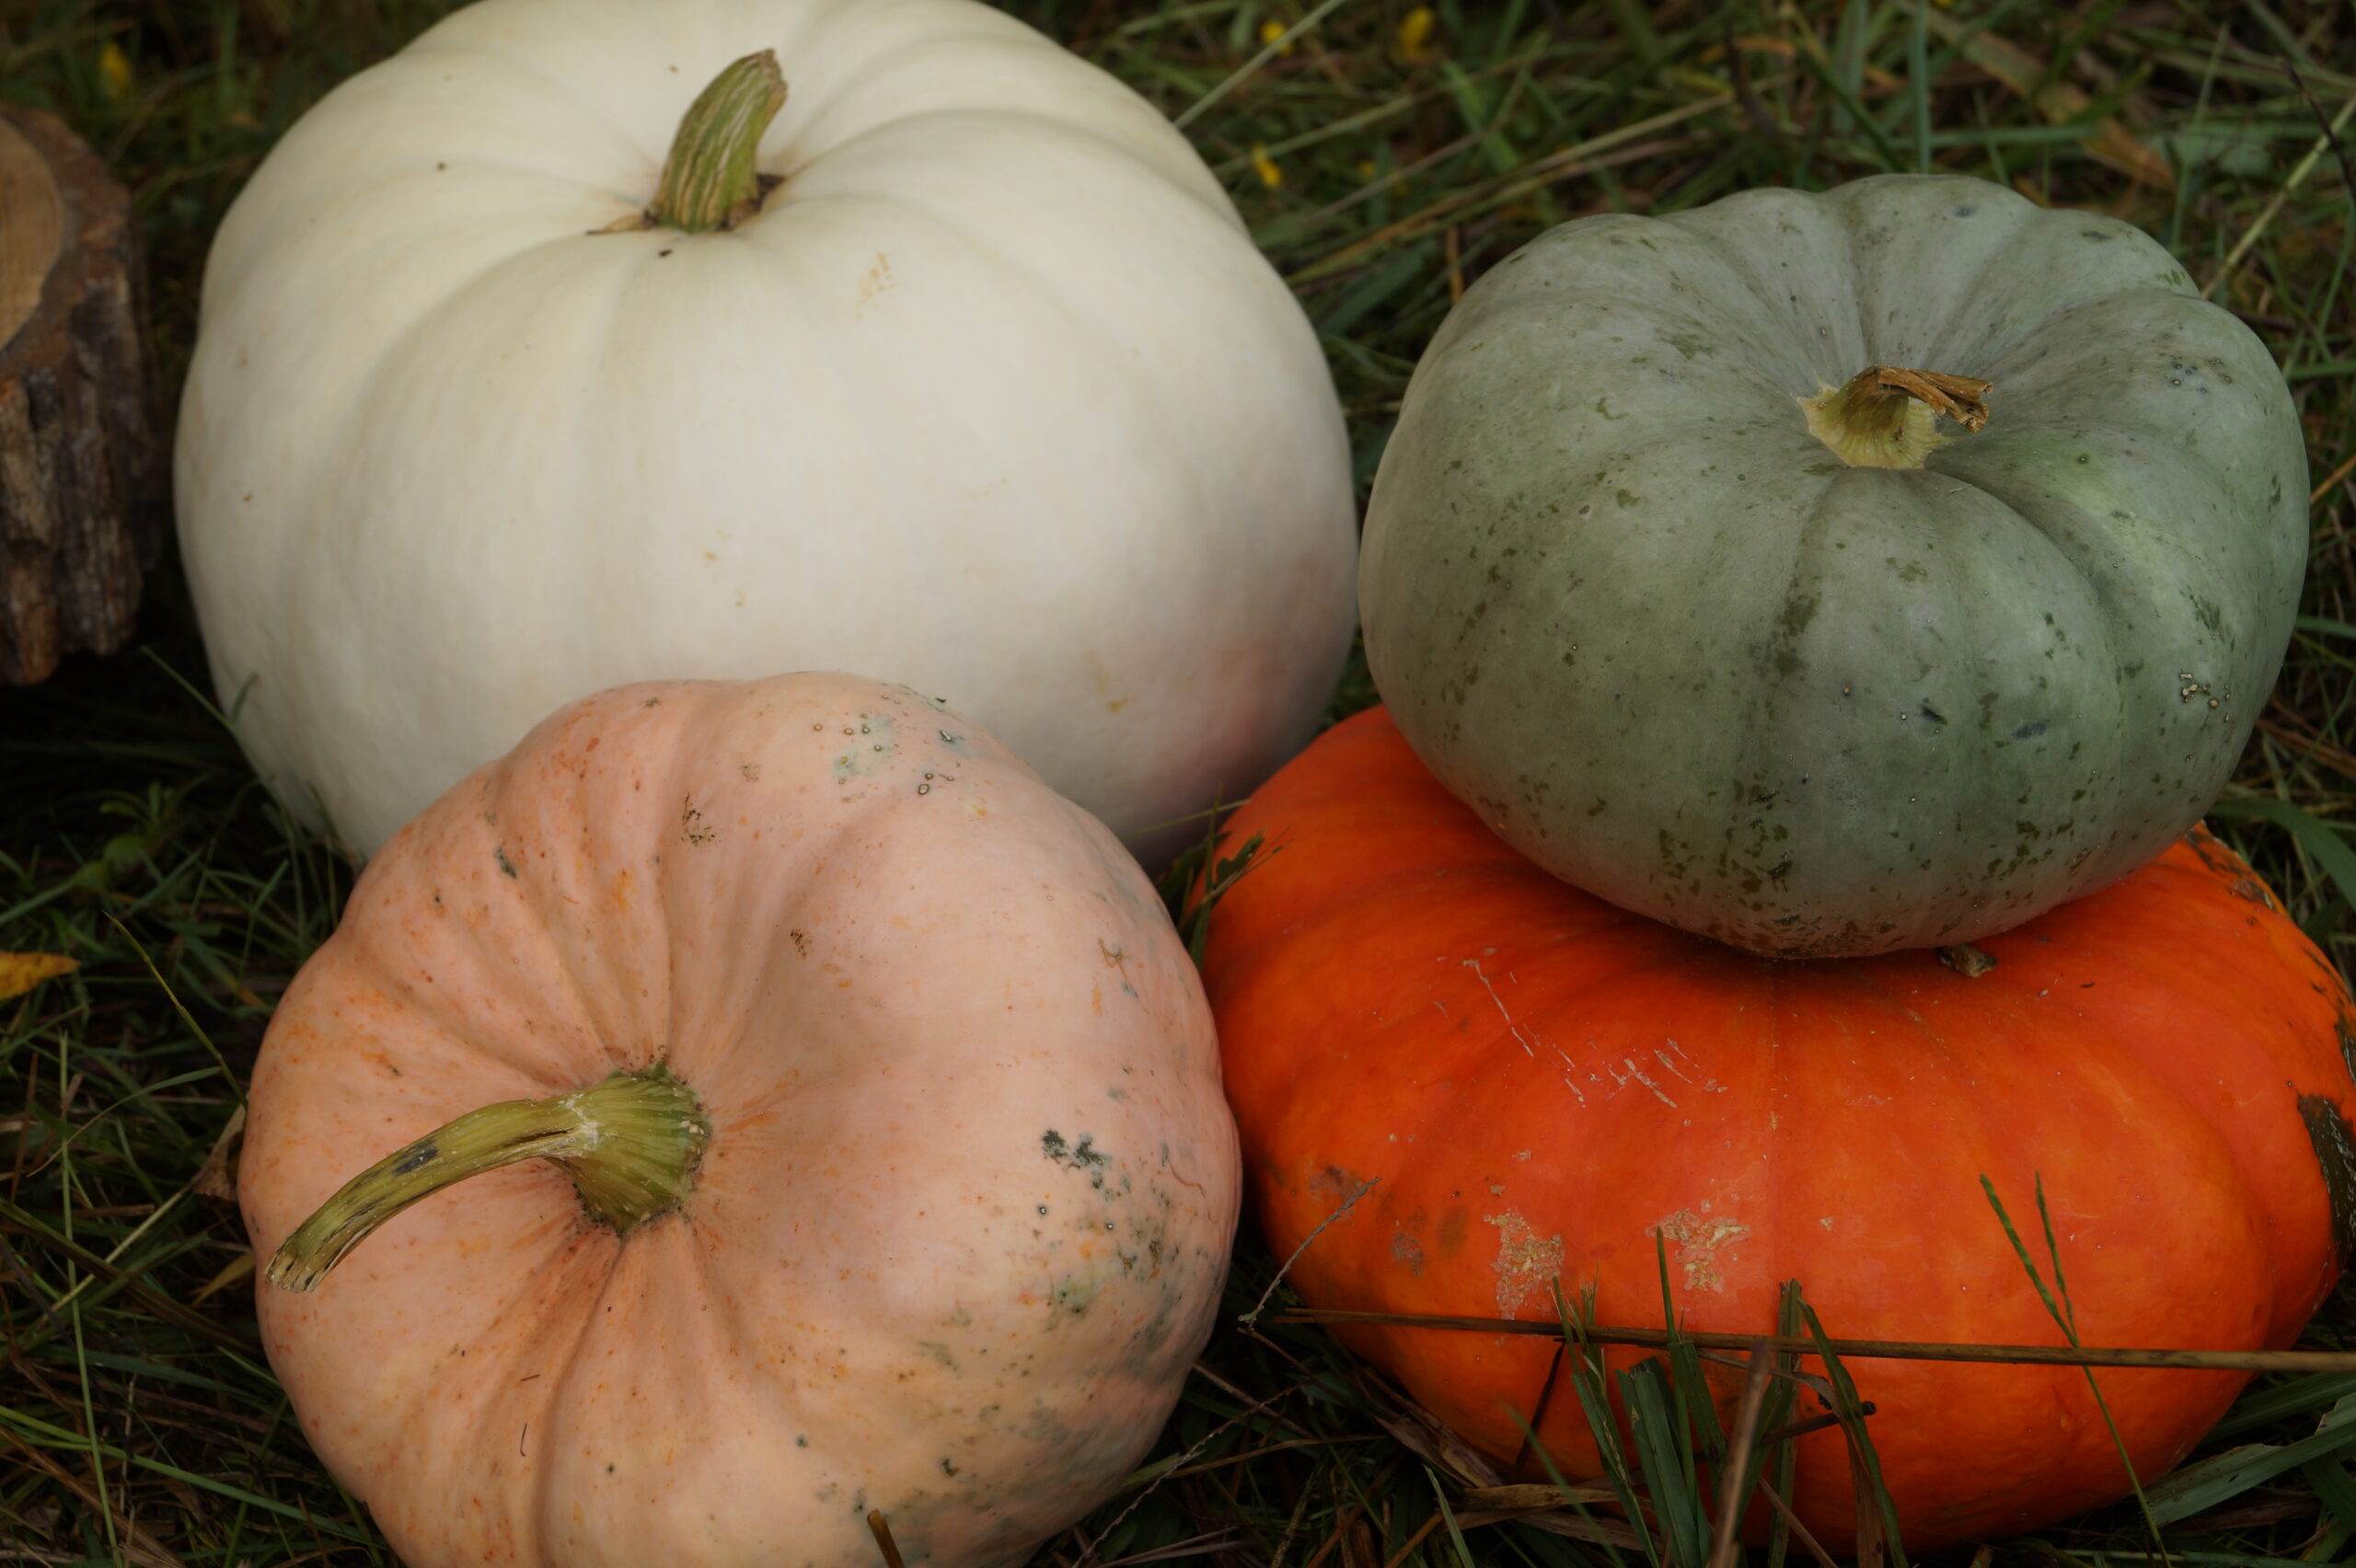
<point x="1724" y="1541"/>
<point x="138" y="1546"/>
<point x="880" y="1528"/>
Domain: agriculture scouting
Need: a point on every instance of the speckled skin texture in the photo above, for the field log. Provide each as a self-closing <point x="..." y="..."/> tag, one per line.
<point x="1541" y="1086"/>
<point x="970" y="1191"/>
<point x="1673" y="649"/>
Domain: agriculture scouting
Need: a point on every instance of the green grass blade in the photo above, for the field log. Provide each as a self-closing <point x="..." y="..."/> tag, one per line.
<point x="2205" y="1483"/>
<point x="1849" y="1409"/>
<point x="2317" y="837"/>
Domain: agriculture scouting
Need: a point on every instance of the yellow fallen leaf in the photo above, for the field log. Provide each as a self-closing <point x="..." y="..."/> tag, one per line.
<point x="1266" y="168"/>
<point x="1415" y="34"/>
<point x="218" y="1177"/>
<point x="114" y="72"/>
<point x="237" y="1268"/>
<point x="20" y="972"/>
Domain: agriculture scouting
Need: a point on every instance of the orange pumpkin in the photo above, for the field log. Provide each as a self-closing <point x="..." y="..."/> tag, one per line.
<point x="1506" y="1082"/>
<point x="890" y="1166"/>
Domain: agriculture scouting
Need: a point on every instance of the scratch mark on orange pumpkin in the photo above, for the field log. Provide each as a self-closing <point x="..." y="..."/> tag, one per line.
<point x="1636" y="1075"/>
<point x="1526" y="1039"/>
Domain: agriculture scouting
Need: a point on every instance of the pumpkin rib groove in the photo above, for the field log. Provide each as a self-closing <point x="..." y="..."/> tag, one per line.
<point x="1037" y="118"/>
<point x="1762" y="743"/>
<point x="854" y="385"/>
<point x="537" y="885"/>
<point x="1776" y="315"/>
<point x="489" y="47"/>
<point x="1144" y="395"/>
<point x="1775" y="336"/>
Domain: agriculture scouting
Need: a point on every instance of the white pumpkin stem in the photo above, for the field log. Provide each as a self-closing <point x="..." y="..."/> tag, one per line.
<point x="631" y="1145"/>
<point x="1887" y="418"/>
<point x="709" y="181"/>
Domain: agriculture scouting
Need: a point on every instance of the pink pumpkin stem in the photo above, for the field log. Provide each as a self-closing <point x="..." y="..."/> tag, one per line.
<point x="631" y="1145"/>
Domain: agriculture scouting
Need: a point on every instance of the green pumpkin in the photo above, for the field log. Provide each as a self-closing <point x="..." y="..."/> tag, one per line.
<point x="1675" y="573"/>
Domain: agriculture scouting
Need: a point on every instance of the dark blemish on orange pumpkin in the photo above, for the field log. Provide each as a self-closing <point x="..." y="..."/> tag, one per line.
<point x="1450" y="1235"/>
<point x="1407" y="1252"/>
<point x="652" y="702"/>
<point x="801" y="942"/>
<point x="1966" y="961"/>
<point x="2334" y="1150"/>
<point x="692" y="825"/>
<point x="506" y="866"/>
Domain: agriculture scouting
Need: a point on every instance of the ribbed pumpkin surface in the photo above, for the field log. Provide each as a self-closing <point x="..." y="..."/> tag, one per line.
<point x="1538" y="1085"/>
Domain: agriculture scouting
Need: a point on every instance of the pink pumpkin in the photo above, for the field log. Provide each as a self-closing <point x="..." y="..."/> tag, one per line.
<point x="890" y="1166"/>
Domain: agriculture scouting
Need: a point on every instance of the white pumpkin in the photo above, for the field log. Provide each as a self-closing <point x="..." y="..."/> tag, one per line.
<point x="991" y="396"/>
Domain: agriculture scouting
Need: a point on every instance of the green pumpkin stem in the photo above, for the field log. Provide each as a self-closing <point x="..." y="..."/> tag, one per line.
<point x="631" y="1145"/>
<point x="1887" y="418"/>
<point x="709" y="181"/>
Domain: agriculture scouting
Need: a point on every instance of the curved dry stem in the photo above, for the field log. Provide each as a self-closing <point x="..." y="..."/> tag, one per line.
<point x="631" y="1145"/>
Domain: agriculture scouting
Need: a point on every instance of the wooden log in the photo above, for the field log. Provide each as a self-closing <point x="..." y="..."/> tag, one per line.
<point x="82" y="481"/>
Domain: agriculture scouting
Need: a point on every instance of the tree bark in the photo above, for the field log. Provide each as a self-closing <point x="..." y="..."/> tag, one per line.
<point x="82" y="481"/>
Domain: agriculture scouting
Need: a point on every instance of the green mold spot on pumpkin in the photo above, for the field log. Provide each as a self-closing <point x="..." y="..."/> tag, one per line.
<point x="506" y="866"/>
<point x="2335" y="1155"/>
<point x="1798" y="611"/>
<point x="1082" y="1156"/>
<point x="1074" y="1293"/>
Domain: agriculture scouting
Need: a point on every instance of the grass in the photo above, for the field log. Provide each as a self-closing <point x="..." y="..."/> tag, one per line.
<point x="1383" y="162"/>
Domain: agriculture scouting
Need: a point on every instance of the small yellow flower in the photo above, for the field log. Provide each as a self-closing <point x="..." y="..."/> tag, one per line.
<point x="1266" y="168"/>
<point x="1366" y="168"/>
<point x="1271" y="30"/>
<point x="20" y="972"/>
<point x="114" y="72"/>
<point x="1415" y="34"/>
